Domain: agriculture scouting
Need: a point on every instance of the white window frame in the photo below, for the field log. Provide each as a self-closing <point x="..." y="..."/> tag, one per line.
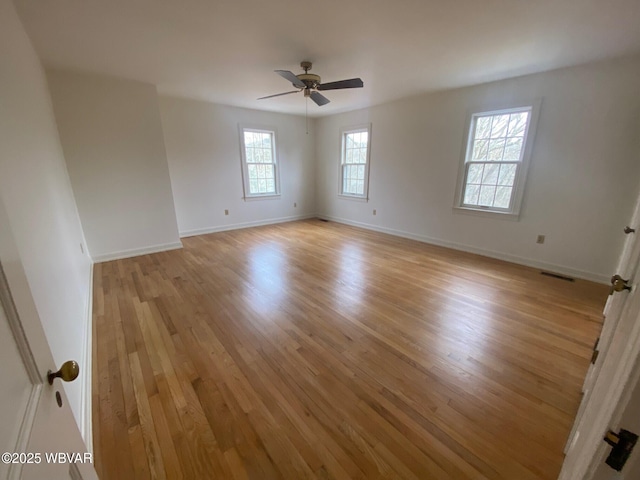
<point x="513" y="212"/>
<point x="341" y="162"/>
<point x="242" y="128"/>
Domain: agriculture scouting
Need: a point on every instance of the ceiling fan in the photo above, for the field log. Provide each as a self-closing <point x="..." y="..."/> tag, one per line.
<point x="309" y="83"/>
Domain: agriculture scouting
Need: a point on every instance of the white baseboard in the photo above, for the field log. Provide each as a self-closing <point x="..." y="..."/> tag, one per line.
<point x="87" y="368"/>
<point x="106" y="257"/>
<point x="529" y="262"/>
<point x="236" y="226"/>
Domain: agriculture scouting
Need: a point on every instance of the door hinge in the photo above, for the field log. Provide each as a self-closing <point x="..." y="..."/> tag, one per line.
<point x="622" y="444"/>
<point x="594" y="356"/>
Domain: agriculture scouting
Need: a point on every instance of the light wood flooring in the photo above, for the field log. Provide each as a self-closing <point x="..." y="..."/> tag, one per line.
<point x="317" y="350"/>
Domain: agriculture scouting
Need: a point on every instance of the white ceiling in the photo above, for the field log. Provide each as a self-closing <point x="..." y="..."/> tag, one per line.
<point x="225" y="51"/>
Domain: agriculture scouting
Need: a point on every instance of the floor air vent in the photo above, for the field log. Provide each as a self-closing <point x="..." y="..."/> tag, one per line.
<point x="557" y="275"/>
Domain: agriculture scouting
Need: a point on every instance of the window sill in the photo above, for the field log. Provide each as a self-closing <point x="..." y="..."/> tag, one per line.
<point x="251" y="198"/>
<point x="353" y="197"/>
<point x="481" y="212"/>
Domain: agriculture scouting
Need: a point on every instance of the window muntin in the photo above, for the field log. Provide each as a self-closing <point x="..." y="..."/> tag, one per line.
<point x="354" y="164"/>
<point x="494" y="159"/>
<point x="259" y="163"/>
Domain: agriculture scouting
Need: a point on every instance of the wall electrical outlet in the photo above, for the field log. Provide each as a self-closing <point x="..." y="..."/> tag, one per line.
<point x="375" y="212"/>
<point x="295" y="204"/>
<point x="540" y="239"/>
<point x="226" y="212"/>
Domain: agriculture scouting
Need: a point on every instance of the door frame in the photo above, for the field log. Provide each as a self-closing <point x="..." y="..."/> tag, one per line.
<point x="20" y="337"/>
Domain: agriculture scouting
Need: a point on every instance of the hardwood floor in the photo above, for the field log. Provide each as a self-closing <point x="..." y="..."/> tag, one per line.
<point x="318" y="350"/>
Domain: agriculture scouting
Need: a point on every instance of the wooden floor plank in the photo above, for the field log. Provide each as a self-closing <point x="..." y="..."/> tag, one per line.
<point x="317" y="350"/>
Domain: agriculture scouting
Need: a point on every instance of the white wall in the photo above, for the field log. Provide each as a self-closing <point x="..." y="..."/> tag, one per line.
<point x="582" y="179"/>
<point x="112" y="139"/>
<point x="203" y="149"/>
<point x="37" y="195"/>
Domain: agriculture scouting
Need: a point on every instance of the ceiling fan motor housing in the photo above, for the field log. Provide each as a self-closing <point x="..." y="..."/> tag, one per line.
<point x="309" y="79"/>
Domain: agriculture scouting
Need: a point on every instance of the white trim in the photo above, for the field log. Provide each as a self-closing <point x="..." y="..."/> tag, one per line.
<point x="354" y="198"/>
<point x="525" y="158"/>
<point x="86" y="417"/>
<point x="343" y="132"/>
<point x="242" y="128"/>
<point x="134" y="252"/>
<point x="486" y="213"/>
<point x="572" y="272"/>
<point x="237" y="226"/>
<point x="22" y="343"/>
<point x="74" y="472"/>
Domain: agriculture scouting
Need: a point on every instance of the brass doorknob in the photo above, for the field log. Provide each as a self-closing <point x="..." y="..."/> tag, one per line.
<point x="68" y="372"/>
<point x="618" y="284"/>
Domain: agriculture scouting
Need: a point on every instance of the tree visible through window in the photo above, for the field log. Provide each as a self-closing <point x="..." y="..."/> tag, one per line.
<point x="494" y="157"/>
<point x="354" y="162"/>
<point x="259" y="162"/>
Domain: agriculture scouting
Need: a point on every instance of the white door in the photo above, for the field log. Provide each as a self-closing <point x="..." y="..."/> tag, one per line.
<point x="36" y="435"/>
<point x="627" y="269"/>
<point x="629" y="419"/>
<point x="627" y="264"/>
<point x="607" y="392"/>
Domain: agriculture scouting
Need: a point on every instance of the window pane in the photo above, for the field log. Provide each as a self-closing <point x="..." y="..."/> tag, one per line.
<point x="349" y="156"/>
<point x="260" y="167"/>
<point x="475" y="173"/>
<point x="350" y="141"/>
<point x="490" y="175"/>
<point x="354" y="160"/>
<point x="496" y="149"/>
<point x="518" y="123"/>
<point x="483" y="127"/>
<point x="471" y="194"/>
<point x="499" y="126"/>
<point x="503" y="197"/>
<point x="268" y="171"/>
<point x="507" y="174"/>
<point x="480" y="149"/>
<point x="513" y="148"/>
<point x="486" y="195"/>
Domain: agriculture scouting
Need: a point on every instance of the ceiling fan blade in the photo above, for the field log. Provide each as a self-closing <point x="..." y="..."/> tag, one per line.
<point x="291" y="77"/>
<point x="319" y="99"/>
<point x="279" y="94"/>
<point x="351" y="83"/>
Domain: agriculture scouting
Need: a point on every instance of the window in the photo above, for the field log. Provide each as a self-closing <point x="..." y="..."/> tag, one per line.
<point x="259" y="167"/>
<point x="495" y="160"/>
<point x="354" y="162"/>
